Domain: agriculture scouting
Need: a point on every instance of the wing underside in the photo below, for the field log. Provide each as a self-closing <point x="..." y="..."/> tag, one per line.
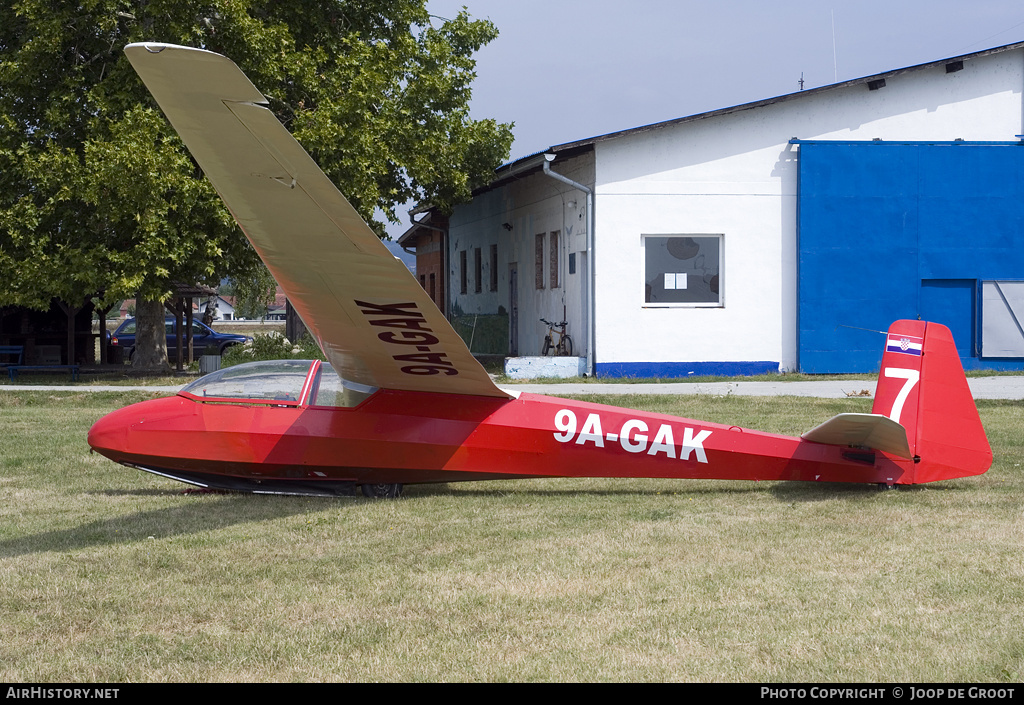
<point x="371" y="317"/>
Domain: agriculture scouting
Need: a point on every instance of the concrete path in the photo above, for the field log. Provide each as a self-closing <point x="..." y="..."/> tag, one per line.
<point x="86" y="388"/>
<point x="981" y="387"/>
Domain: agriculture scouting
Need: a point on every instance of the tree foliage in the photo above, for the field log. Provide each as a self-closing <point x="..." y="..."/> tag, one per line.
<point x="253" y="294"/>
<point x="97" y="194"/>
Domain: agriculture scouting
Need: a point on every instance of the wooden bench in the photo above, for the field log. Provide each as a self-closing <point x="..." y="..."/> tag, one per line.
<point x="13" y="370"/>
<point x="18" y="351"/>
<point x="13" y="350"/>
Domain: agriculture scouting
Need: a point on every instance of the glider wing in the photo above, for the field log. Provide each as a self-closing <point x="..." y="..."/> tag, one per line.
<point x="370" y="316"/>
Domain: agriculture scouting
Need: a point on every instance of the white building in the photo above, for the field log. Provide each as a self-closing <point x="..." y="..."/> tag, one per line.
<point x="692" y="231"/>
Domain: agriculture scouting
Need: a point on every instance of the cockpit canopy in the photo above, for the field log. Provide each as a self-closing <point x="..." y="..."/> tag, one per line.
<point x="290" y="382"/>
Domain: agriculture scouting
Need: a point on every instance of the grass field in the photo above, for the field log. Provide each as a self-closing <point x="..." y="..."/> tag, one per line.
<point x="109" y="574"/>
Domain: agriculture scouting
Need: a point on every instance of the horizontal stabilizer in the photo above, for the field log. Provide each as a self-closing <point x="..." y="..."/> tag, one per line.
<point x="866" y="430"/>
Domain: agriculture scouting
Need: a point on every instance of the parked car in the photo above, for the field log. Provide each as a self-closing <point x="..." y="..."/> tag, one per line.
<point x="202" y="336"/>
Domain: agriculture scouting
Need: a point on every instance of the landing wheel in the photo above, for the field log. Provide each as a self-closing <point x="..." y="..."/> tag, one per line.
<point x="382" y="491"/>
<point x="884" y="487"/>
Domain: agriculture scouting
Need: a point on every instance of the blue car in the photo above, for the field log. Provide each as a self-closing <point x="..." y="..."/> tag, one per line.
<point x="202" y="336"/>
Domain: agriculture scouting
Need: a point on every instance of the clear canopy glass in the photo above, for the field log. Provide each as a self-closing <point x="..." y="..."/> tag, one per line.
<point x="281" y="380"/>
<point x="330" y="389"/>
<point x="275" y="380"/>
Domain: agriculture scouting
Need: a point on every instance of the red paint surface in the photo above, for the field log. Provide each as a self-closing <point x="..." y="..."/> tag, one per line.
<point x="412" y="437"/>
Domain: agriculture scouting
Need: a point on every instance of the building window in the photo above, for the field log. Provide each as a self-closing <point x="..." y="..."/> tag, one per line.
<point x="539" y="258"/>
<point x="494" y="267"/>
<point x="683" y="270"/>
<point x="423" y="280"/>
<point x="553" y="260"/>
<point x="433" y="287"/>
<point x="478" y="265"/>
<point x="462" y="272"/>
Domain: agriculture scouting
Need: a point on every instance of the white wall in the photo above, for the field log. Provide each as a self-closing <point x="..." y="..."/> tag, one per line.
<point x="532" y="205"/>
<point x="736" y="174"/>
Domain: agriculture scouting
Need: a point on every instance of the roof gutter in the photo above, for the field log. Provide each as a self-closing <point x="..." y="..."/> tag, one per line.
<point x="418" y="224"/>
<point x="591" y="334"/>
<point x="522" y="165"/>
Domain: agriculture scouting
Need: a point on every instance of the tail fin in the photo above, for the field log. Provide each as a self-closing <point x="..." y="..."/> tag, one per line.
<point x="922" y="386"/>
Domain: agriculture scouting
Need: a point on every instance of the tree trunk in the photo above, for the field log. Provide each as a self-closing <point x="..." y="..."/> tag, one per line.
<point x="179" y="336"/>
<point x="71" y="312"/>
<point x="104" y="352"/>
<point x="189" y="333"/>
<point x="150" y="337"/>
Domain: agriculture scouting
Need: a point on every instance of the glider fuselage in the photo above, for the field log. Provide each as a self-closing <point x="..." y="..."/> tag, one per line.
<point x="415" y="437"/>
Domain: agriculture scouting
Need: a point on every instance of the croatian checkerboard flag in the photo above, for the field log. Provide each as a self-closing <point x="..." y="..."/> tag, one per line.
<point x="907" y="344"/>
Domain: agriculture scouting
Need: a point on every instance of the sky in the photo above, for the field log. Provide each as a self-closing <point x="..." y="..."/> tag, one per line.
<point x="564" y="70"/>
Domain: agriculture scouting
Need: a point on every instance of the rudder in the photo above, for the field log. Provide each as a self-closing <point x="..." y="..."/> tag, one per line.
<point x="922" y="386"/>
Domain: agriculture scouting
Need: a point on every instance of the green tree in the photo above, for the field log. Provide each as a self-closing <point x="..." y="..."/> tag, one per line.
<point x="97" y="193"/>
<point x="253" y="294"/>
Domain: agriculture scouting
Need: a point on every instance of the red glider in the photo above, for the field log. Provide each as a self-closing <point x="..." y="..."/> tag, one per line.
<point x="403" y="401"/>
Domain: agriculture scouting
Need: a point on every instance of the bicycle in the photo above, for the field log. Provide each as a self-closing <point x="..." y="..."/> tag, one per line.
<point x="564" y="345"/>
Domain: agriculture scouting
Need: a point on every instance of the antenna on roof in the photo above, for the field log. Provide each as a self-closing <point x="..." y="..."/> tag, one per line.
<point x="801" y="81"/>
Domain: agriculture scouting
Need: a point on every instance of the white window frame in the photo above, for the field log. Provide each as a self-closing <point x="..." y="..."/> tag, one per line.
<point x="682" y="304"/>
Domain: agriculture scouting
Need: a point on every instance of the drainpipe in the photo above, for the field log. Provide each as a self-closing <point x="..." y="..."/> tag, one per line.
<point x="591" y="328"/>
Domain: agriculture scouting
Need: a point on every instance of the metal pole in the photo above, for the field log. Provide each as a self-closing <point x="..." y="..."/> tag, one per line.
<point x="591" y="332"/>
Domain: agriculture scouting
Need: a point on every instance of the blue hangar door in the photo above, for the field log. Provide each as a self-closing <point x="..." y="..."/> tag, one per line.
<point x="890" y="230"/>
